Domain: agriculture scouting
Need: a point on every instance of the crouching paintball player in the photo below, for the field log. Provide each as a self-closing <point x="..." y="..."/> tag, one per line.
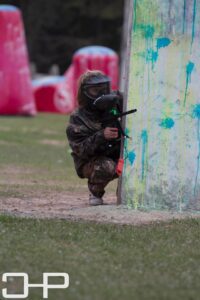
<point x="94" y="135"/>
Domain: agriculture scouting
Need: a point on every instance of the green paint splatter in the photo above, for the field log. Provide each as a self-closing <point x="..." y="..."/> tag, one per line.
<point x="135" y="15"/>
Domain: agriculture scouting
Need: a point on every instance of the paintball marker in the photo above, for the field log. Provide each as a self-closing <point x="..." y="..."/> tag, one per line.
<point x="111" y="105"/>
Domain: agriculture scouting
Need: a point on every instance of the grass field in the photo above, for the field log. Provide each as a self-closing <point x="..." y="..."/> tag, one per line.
<point x="37" y="152"/>
<point x="158" y="261"/>
<point x="38" y="145"/>
<point x="105" y="261"/>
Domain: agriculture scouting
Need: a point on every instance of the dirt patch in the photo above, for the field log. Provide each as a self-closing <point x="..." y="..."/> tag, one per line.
<point x="15" y="175"/>
<point x="6" y="143"/>
<point x="16" y="170"/>
<point x="26" y="198"/>
<point x="5" y="128"/>
<point x="71" y="206"/>
<point x="50" y="132"/>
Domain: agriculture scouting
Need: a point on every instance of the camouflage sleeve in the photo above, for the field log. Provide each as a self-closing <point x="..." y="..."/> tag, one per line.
<point x="83" y="142"/>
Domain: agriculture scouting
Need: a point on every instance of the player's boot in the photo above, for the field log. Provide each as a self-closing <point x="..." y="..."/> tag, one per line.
<point x="93" y="200"/>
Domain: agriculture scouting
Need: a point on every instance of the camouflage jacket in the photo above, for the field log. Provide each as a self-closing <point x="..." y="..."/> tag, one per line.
<point x="86" y="139"/>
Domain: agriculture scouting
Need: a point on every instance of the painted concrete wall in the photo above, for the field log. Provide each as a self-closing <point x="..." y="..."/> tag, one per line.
<point x="162" y="160"/>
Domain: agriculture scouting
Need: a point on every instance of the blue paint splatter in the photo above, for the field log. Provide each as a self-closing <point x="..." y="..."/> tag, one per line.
<point x="151" y="56"/>
<point x="167" y="123"/>
<point x="189" y="70"/>
<point x="144" y="137"/>
<point x="131" y="157"/>
<point x="196" y="115"/>
<point x="154" y="56"/>
<point x="163" y="42"/>
<point x="196" y="111"/>
<point x="184" y="16"/>
<point x="127" y="131"/>
<point x="198" y="157"/>
<point x="193" y="22"/>
<point x="149" y="31"/>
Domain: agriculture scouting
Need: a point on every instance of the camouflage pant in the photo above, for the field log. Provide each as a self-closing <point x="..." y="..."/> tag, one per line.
<point x="99" y="171"/>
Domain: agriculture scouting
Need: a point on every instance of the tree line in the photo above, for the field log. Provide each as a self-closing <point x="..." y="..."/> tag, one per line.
<point x="55" y="29"/>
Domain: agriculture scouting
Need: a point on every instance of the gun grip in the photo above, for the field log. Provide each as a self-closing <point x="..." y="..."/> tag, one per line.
<point x="120" y="165"/>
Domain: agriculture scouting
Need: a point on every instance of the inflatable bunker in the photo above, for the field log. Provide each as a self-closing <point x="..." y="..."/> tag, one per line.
<point x="96" y="58"/>
<point x="58" y="94"/>
<point x="54" y="94"/>
<point x="15" y="80"/>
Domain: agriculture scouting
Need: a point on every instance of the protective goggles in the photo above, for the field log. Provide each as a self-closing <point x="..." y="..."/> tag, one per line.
<point x="95" y="91"/>
<point x="96" y="86"/>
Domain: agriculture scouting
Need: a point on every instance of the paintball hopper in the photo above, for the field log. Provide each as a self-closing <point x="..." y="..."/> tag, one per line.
<point x="106" y="102"/>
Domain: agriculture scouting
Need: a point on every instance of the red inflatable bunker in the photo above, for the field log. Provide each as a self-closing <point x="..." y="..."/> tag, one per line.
<point x="96" y="58"/>
<point x="58" y="94"/>
<point x="54" y="94"/>
<point x="15" y="81"/>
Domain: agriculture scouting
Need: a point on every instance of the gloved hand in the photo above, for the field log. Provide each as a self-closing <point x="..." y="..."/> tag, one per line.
<point x="110" y="133"/>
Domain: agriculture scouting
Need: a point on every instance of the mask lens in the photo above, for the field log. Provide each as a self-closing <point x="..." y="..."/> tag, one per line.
<point x="98" y="90"/>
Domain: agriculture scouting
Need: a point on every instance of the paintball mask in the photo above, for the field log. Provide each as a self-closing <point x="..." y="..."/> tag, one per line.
<point x="96" y="86"/>
<point x="98" y="93"/>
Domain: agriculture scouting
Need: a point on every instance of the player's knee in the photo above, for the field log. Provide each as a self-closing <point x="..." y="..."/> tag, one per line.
<point x="106" y="168"/>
